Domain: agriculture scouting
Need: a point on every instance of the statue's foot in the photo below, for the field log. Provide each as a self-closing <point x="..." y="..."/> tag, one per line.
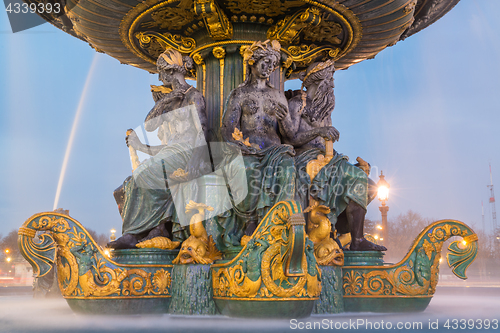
<point x="364" y="245"/>
<point x="158" y="231"/>
<point x="127" y="241"/>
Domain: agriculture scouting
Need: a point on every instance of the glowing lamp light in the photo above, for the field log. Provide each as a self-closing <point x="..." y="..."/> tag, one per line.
<point x="382" y="188"/>
<point x="9" y="259"/>
<point x="7" y="251"/>
<point x="112" y="237"/>
<point x="376" y="236"/>
<point x="383" y="193"/>
<point x="379" y="227"/>
<point x="107" y="253"/>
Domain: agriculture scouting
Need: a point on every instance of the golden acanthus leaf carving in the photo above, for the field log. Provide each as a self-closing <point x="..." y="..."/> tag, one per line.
<point x="325" y="31"/>
<point x="263" y="7"/>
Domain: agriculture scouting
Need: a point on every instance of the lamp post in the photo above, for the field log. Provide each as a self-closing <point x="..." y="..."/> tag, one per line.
<point x="383" y="196"/>
<point x="112" y="237"/>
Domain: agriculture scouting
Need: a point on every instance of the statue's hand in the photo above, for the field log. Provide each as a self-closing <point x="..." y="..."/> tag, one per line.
<point x="157" y="95"/>
<point x="329" y="133"/>
<point x="132" y="140"/>
<point x="281" y="111"/>
<point x="363" y="165"/>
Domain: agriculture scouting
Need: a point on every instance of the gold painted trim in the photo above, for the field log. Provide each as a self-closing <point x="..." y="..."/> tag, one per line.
<point x="349" y="20"/>
<point x="387" y="296"/>
<point x="387" y="30"/>
<point x="391" y="12"/>
<point x="117" y="297"/>
<point x="265" y="299"/>
<point x="90" y="237"/>
<point x="102" y="38"/>
<point x="408" y="254"/>
<point x="98" y="23"/>
<point x="227" y="264"/>
<point x="204" y="69"/>
<point x="360" y="3"/>
<point x="382" y="23"/>
<point x="220" y="54"/>
<point x="80" y="25"/>
<point x="107" y="8"/>
<point x="388" y="38"/>
<point x="471" y="238"/>
<point x="91" y="12"/>
<point x="130" y="22"/>
<point x="377" y="7"/>
<point x="226" y="42"/>
<point x="242" y="50"/>
<point x="198" y="59"/>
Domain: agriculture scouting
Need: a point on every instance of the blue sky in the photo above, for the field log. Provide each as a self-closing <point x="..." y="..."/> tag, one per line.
<point x="424" y="111"/>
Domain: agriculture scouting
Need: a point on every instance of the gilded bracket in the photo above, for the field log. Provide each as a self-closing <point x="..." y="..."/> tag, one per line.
<point x="198" y="59"/>
<point x="216" y="21"/>
<point x="155" y="43"/>
<point x="220" y="53"/>
<point x="288" y="29"/>
<point x="304" y="55"/>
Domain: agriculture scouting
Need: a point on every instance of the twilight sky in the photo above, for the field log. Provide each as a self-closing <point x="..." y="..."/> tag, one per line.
<point x="424" y="111"/>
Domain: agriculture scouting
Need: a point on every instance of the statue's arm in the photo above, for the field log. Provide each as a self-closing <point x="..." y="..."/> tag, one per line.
<point x="199" y="163"/>
<point x="153" y="119"/>
<point x="289" y="124"/>
<point x="231" y="118"/>
<point x="132" y="140"/>
<point x="301" y="138"/>
<point x="199" y="102"/>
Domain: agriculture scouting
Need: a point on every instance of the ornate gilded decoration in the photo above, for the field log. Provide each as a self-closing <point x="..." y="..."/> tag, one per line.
<point x="163" y="243"/>
<point x="130" y="33"/>
<point x="83" y="268"/>
<point x="155" y="43"/>
<point x="220" y="54"/>
<point x="263" y="7"/>
<point x="417" y="274"/>
<point x="304" y="55"/>
<point x="259" y="271"/>
<point x="238" y="136"/>
<point x="198" y="59"/>
<point x="171" y="18"/>
<point x="242" y="53"/>
<point x="324" y="31"/>
<point x="198" y="248"/>
<point x="288" y="29"/>
<point x="179" y="173"/>
<point x="314" y="166"/>
<point x="217" y="23"/>
<point x="326" y="250"/>
<point x="162" y="89"/>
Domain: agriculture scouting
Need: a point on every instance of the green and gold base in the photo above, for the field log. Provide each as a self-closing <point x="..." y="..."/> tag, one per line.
<point x="410" y="284"/>
<point x="275" y="275"/>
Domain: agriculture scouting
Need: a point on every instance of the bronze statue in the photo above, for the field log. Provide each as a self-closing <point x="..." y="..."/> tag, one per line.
<point x="339" y="185"/>
<point x="253" y="123"/>
<point x="145" y="199"/>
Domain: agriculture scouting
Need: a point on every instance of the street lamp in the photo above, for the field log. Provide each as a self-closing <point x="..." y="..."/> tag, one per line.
<point x="383" y="196"/>
<point x="112" y="237"/>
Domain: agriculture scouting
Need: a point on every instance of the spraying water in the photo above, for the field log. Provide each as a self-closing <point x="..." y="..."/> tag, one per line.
<point x="73" y="131"/>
